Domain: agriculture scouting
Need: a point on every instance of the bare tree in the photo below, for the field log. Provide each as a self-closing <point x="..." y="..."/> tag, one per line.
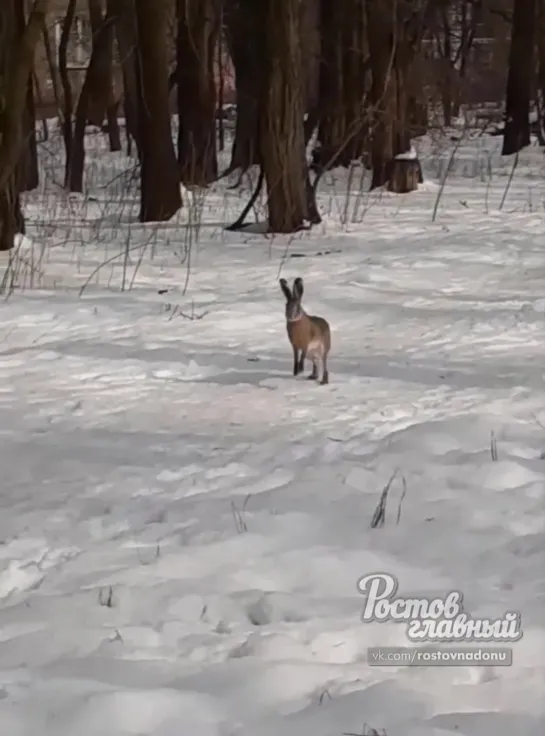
<point x="27" y="170"/>
<point x="245" y="35"/>
<point x="16" y="63"/>
<point x="159" y="179"/>
<point x="394" y="30"/>
<point x="97" y="85"/>
<point x="68" y="98"/>
<point x="453" y="34"/>
<point x="125" y="29"/>
<point x="282" y="149"/>
<point x="343" y="82"/>
<point x="197" y="39"/>
<point x="102" y="96"/>
<point x="520" y="77"/>
<point x="540" y="96"/>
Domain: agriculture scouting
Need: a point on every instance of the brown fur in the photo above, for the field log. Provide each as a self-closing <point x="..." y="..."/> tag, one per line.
<point x="309" y="328"/>
<point x="310" y="336"/>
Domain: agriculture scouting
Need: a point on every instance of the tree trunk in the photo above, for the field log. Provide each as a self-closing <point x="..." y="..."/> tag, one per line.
<point x="112" y="124"/>
<point x="94" y="77"/>
<point x="36" y="90"/>
<point x="356" y="85"/>
<point x="519" y="78"/>
<point x="332" y="125"/>
<point x="244" y="152"/>
<point x="405" y="170"/>
<point x="53" y="67"/>
<point x="282" y="138"/>
<point x="541" y="68"/>
<point x="198" y="31"/>
<point x="160" y="196"/>
<point x="244" y="19"/>
<point x="125" y="28"/>
<point x="102" y="103"/>
<point x="447" y="94"/>
<point x="447" y="72"/>
<point x="391" y="69"/>
<point x="342" y="83"/>
<point x="221" y="85"/>
<point x="471" y="16"/>
<point x="381" y="52"/>
<point x="68" y="100"/>
<point x="417" y="115"/>
<point x="97" y="92"/>
<point x="28" y="177"/>
<point x="27" y="170"/>
<point x="16" y="63"/>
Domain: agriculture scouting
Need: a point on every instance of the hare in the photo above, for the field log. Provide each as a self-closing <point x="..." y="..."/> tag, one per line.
<point x="307" y="334"/>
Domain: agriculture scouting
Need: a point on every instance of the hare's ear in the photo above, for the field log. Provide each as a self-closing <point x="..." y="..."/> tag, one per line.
<point x="298" y="288"/>
<point x="285" y="288"/>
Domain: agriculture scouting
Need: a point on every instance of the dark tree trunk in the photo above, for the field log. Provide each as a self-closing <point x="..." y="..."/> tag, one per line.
<point x="417" y="115"/>
<point x="102" y="103"/>
<point x="290" y="198"/>
<point x="453" y="40"/>
<point x="95" y="15"/>
<point x="519" y="78"/>
<point x="332" y="112"/>
<point x="471" y="15"/>
<point x="17" y="49"/>
<point x="53" y="70"/>
<point x="381" y="52"/>
<point x="100" y="80"/>
<point x="342" y="83"/>
<point x="391" y="71"/>
<point x="221" y="85"/>
<point x="160" y="196"/>
<point x="245" y="35"/>
<point x="311" y="48"/>
<point x="94" y="77"/>
<point x="541" y="69"/>
<point x="356" y="85"/>
<point x="11" y="215"/>
<point x="244" y="153"/>
<point x="37" y="91"/>
<point x="112" y="125"/>
<point x="28" y="177"/>
<point x="198" y="31"/>
<point x="124" y="12"/>
<point x="68" y="100"/>
<point x="27" y="169"/>
<point x="447" y="93"/>
<point x="447" y="70"/>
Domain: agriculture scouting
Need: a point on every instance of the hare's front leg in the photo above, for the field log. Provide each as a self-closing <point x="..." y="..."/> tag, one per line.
<point x="295" y="362"/>
<point x="301" y="365"/>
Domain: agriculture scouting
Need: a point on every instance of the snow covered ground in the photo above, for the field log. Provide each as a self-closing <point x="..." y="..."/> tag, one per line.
<point x="183" y="523"/>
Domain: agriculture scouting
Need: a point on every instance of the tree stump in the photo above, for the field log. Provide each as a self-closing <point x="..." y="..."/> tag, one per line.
<point x="405" y="175"/>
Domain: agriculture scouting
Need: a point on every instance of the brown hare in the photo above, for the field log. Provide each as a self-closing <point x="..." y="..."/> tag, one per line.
<point x="310" y="336"/>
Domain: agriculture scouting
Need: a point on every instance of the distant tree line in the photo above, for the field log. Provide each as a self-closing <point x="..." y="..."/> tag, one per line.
<point x="341" y="80"/>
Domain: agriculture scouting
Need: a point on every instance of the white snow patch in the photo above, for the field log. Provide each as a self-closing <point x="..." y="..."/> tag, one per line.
<point x="183" y="522"/>
<point x="410" y="155"/>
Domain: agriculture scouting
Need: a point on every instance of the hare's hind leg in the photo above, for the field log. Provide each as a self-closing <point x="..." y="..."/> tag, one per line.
<point x="314" y="353"/>
<point x="325" y="374"/>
